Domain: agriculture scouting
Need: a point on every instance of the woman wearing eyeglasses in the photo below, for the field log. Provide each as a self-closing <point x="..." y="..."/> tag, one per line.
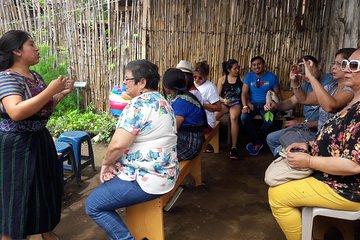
<point x="335" y="158"/>
<point x="256" y="85"/>
<point x="332" y="97"/>
<point x="141" y="162"/>
<point x="321" y="98"/>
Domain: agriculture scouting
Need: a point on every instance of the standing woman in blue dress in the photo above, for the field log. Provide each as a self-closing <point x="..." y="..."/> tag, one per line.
<point x="30" y="183"/>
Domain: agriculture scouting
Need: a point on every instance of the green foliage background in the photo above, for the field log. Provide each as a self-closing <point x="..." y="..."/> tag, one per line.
<point x="66" y="115"/>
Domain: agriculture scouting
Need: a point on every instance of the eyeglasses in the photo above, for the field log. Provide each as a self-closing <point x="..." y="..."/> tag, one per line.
<point x="258" y="83"/>
<point x="353" y="65"/>
<point x="336" y="64"/>
<point x="129" y="79"/>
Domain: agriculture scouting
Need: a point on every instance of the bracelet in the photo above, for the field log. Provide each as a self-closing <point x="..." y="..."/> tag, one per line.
<point x="309" y="161"/>
<point x="245" y="106"/>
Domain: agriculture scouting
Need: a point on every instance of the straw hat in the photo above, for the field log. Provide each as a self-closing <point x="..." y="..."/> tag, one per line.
<point x="184" y="66"/>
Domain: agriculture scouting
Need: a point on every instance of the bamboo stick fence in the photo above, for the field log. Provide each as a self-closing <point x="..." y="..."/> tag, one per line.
<point x="101" y="36"/>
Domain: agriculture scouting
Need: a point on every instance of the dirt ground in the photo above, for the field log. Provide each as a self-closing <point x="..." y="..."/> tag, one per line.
<point x="230" y="205"/>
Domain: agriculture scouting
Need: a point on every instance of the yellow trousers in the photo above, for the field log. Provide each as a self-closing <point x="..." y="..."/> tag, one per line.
<point x="287" y="199"/>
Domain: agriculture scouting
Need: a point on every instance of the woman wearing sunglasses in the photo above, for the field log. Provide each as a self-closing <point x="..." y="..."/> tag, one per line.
<point x="335" y="158"/>
<point x="332" y="97"/>
<point x="210" y="97"/>
<point x="321" y="99"/>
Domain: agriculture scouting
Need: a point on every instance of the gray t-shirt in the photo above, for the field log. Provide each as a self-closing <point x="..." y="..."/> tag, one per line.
<point x="323" y="115"/>
<point x="311" y="112"/>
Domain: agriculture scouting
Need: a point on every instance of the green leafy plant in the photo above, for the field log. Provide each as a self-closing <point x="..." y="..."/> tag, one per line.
<point x="67" y="116"/>
<point x="96" y="124"/>
<point x="50" y="67"/>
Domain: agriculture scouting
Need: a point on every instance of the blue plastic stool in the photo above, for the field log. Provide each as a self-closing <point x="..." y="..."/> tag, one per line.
<point x="66" y="157"/>
<point x="76" y="139"/>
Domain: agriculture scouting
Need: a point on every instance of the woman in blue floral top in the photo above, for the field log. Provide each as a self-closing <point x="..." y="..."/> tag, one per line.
<point x="30" y="182"/>
<point x="335" y="157"/>
<point x="141" y="161"/>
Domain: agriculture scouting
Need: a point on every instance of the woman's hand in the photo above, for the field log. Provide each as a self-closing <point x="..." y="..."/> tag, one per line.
<point x="245" y="109"/>
<point x="303" y="146"/>
<point x="57" y="85"/>
<point x="297" y="156"/>
<point x="310" y="69"/>
<point x="107" y="172"/>
<point x="69" y="86"/>
<point x="298" y="159"/>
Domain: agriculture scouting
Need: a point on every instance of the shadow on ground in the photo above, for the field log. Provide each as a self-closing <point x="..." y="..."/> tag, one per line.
<point x="231" y="204"/>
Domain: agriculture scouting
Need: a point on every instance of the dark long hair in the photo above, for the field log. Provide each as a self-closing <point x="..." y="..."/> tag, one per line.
<point x="345" y="52"/>
<point x="227" y="65"/>
<point x="189" y="79"/>
<point x="10" y="41"/>
<point x="174" y="79"/>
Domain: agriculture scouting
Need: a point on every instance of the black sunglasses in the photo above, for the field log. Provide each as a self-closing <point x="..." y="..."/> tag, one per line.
<point x="258" y="83"/>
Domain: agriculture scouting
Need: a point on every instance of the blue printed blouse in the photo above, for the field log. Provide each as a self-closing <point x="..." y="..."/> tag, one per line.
<point x="152" y="158"/>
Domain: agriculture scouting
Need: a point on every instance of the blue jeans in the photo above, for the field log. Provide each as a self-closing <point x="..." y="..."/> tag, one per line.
<point x="273" y="141"/>
<point x="109" y="196"/>
<point x="246" y="120"/>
